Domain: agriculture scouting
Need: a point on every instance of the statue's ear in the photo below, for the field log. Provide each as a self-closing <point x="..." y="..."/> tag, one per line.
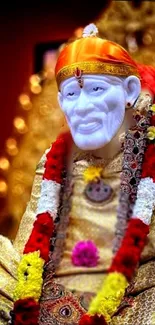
<point x="60" y="99"/>
<point x="132" y="88"/>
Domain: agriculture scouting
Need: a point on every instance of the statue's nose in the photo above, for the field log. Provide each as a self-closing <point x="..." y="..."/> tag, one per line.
<point x="83" y="103"/>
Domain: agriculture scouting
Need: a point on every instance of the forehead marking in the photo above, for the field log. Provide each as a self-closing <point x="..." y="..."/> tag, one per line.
<point x="78" y="75"/>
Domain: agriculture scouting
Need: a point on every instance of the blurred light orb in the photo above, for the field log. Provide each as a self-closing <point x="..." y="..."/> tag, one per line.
<point x="24" y="99"/>
<point x="4" y="163"/>
<point x="147" y="39"/>
<point x="44" y="109"/>
<point x="45" y="74"/>
<point x="35" y="79"/>
<point x="50" y="73"/>
<point x="17" y="177"/>
<point x="132" y="44"/>
<point x="20" y="124"/>
<point x="11" y="146"/>
<point x="18" y="190"/>
<point x="11" y="143"/>
<point x="3" y="188"/>
<point x="78" y="32"/>
<point x="36" y="89"/>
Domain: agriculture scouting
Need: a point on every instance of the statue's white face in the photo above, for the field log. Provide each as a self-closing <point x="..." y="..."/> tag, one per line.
<point x="95" y="112"/>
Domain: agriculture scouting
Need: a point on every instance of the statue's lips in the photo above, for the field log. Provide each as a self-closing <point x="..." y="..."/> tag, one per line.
<point x="89" y="127"/>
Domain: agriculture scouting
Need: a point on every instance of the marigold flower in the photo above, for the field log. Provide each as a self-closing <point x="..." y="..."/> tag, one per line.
<point x="151" y="133"/>
<point x="29" y="277"/>
<point x="109" y="297"/>
<point x="153" y="108"/>
<point x="92" y="173"/>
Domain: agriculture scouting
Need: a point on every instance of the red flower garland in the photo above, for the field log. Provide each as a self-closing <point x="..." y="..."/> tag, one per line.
<point x="55" y="163"/>
<point x="153" y="120"/>
<point x="57" y="158"/>
<point x="26" y="312"/>
<point x="129" y="253"/>
<point x="148" y="168"/>
<point x="40" y="236"/>
<point x="147" y="74"/>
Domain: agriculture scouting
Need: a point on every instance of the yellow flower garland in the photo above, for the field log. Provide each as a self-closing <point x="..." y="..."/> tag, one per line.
<point x="109" y="297"/>
<point x="29" y="277"/>
<point x="153" y="108"/>
<point x="151" y="132"/>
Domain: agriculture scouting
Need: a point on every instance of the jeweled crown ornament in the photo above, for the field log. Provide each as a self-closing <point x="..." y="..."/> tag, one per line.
<point x="90" y="31"/>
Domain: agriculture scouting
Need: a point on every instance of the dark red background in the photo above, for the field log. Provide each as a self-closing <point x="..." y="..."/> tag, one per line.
<point x="22" y="26"/>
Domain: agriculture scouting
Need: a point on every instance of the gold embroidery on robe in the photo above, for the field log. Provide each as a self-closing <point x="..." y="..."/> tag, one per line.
<point x="90" y="221"/>
<point x="9" y="261"/>
<point x="28" y="218"/>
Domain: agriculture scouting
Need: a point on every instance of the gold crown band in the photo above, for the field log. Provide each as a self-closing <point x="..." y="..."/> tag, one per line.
<point x="115" y="69"/>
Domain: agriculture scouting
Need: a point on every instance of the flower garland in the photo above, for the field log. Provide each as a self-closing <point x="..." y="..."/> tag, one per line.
<point x="127" y="257"/>
<point x="134" y="146"/>
<point x="36" y="252"/>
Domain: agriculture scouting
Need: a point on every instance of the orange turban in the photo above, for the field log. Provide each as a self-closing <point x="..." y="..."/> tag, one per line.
<point x="93" y="55"/>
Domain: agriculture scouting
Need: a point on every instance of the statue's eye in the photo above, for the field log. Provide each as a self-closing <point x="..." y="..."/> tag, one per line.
<point x="70" y="94"/>
<point x="97" y="88"/>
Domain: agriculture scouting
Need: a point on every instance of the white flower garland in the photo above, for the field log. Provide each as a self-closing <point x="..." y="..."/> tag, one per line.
<point x="49" y="198"/>
<point x="145" y="200"/>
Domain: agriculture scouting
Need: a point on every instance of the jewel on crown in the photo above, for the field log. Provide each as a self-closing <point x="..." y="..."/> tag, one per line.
<point x="90" y="30"/>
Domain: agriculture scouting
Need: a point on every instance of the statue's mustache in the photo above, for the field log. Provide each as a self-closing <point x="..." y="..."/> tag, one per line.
<point x="90" y="118"/>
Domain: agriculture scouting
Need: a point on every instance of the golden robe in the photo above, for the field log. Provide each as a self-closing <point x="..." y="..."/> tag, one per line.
<point x="87" y="221"/>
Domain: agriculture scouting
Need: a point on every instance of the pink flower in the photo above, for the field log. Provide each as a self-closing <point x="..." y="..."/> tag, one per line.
<point x="85" y="253"/>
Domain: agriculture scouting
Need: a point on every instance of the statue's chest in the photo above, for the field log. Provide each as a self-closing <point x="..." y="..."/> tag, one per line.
<point x="92" y="219"/>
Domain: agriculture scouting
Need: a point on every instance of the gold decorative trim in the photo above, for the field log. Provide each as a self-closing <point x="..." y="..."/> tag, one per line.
<point x="115" y="69"/>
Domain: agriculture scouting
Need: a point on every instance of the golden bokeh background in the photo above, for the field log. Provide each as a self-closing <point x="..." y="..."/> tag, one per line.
<point x="38" y="117"/>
